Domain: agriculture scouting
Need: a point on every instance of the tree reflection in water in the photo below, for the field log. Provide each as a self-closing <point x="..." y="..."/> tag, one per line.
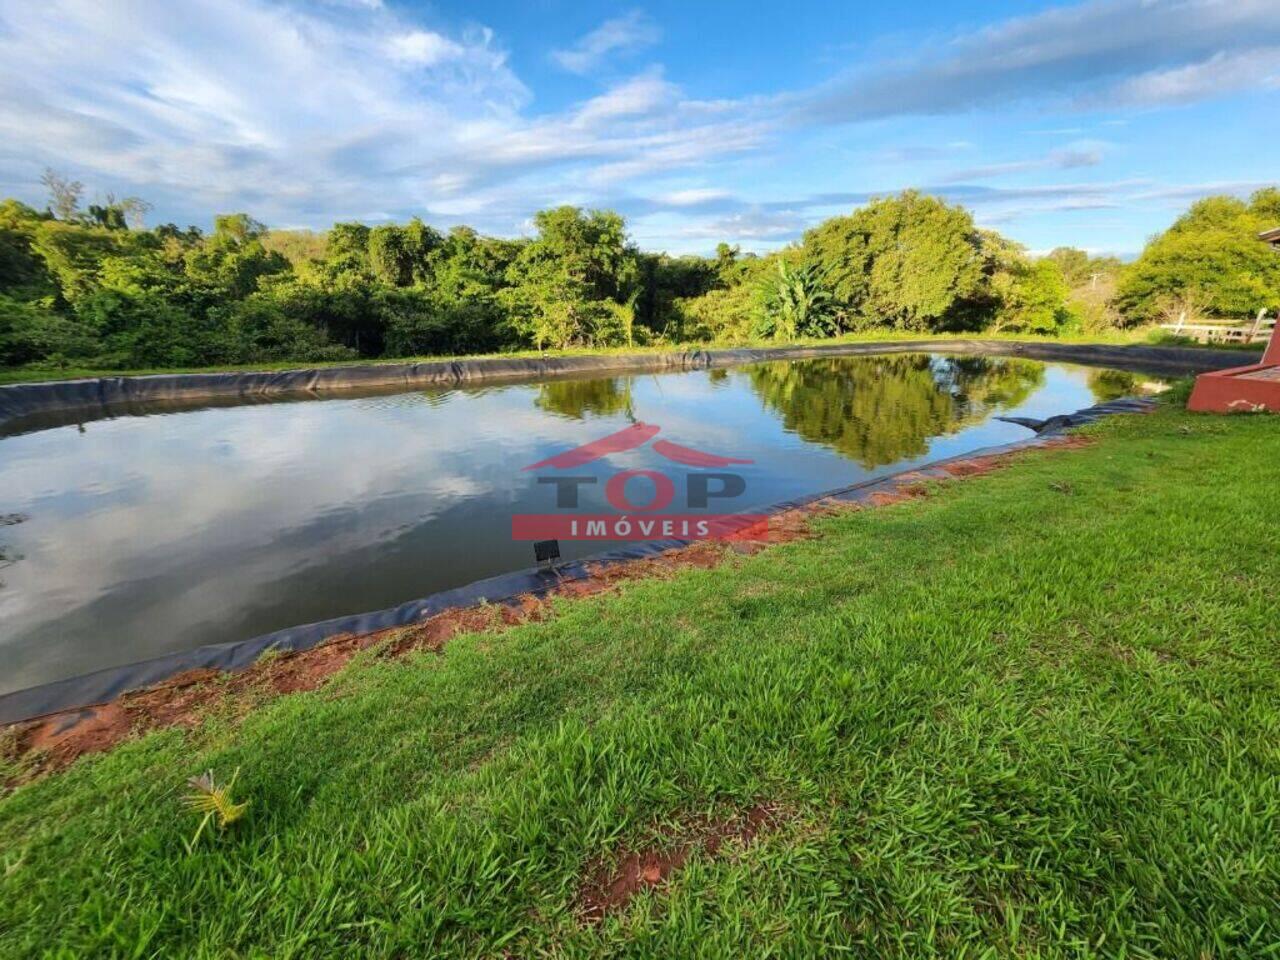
<point x="874" y="410"/>
<point x="577" y="398"/>
<point x="879" y="410"/>
<point x="1114" y="384"/>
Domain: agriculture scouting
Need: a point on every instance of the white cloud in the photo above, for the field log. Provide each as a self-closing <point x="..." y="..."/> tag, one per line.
<point x="422" y="48"/>
<point x="643" y="95"/>
<point x="1221" y="74"/>
<point x="692" y="197"/>
<point x="629" y="32"/>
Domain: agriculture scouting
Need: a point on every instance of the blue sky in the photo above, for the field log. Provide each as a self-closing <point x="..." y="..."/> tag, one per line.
<point x="1091" y="124"/>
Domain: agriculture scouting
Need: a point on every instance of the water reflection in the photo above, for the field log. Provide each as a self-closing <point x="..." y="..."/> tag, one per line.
<point x="1114" y="384"/>
<point x="578" y="398"/>
<point x="147" y="534"/>
<point x="879" y="410"/>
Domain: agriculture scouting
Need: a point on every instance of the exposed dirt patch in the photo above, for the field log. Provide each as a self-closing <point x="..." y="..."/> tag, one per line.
<point x="611" y="884"/>
<point x="784" y="527"/>
<point x="970" y="468"/>
<point x="54" y="742"/>
<point x="88" y="731"/>
<point x="887" y="498"/>
<point x="433" y="633"/>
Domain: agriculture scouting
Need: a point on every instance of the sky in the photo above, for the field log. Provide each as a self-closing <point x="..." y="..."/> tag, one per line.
<point x="1086" y="124"/>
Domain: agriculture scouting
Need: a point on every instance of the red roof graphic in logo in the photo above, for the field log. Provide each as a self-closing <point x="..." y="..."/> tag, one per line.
<point x="629" y="438"/>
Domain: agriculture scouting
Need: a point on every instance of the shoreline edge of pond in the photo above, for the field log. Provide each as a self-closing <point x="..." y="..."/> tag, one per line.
<point x="59" y="402"/>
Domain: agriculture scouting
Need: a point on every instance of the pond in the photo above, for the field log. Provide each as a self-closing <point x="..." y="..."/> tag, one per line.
<point x="128" y="538"/>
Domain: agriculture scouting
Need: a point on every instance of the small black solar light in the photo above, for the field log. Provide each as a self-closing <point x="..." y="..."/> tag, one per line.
<point x="547" y="551"/>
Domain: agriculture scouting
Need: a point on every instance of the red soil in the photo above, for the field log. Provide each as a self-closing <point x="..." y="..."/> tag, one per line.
<point x="609" y="888"/>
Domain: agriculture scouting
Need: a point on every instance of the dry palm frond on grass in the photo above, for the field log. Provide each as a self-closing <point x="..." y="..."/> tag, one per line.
<point x="214" y="802"/>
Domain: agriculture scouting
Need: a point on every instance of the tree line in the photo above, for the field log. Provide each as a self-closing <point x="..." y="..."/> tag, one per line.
<point x="94" y="288"/>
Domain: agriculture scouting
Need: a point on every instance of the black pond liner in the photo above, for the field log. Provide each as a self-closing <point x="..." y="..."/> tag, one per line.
<point x="105" y="685"/>
<point x="26" y="407"/>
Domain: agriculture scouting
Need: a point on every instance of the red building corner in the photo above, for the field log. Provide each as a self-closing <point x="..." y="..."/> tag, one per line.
<point x="1254" y="388"/>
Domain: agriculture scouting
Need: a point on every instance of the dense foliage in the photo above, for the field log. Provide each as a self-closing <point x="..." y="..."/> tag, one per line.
<point x="1209" y="262"/>
<point x="911" y="262"/>
<point x="95" y="289"/>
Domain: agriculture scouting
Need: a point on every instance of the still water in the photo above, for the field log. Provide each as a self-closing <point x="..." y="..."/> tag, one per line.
<point x="128" y="538"/>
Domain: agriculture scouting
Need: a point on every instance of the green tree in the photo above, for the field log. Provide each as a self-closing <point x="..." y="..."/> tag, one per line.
<point x="97" y="288"/>
<point x="260" y="329"/>
<point x="22" y="271"/>
<point x="73" y="253"/>
<point x="233" y="260"/>
<point x="1091" y="283"/>
<point x="1265" y="206"/>
<point x="1210" y="255"/>
<point x="907" y="261"/>
<point x="300" y="247"/>
<point x="400" y="256"/>
<point x="238" y="228"/>
<point x="148" y="329"/>
<point x="567" y="284"/>
<point x="1020" y="295"/>
<point x="664" y="282"/>
<point x="1032" y="297"/>
<point x="346" y="252"/>
<point x="420" y="321"/>
<point x="732" y="311"/>
<point x="31" y="333"/>
<point x="1073" y="263"/>
<point x="728" y="316"/>
<point x="728" y="265"/>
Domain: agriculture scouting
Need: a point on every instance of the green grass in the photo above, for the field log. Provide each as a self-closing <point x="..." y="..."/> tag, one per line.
<point x="35" y="374"/>
<point x="1035" y="714"/>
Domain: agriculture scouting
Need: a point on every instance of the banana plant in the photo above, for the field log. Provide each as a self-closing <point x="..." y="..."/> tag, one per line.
<point x="798" y="302"/>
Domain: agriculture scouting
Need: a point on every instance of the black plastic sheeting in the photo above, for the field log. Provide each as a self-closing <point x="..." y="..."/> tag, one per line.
<point x="104" y="685"/>
<point x="35" y="406"/>
<point x="1081" y="417"/>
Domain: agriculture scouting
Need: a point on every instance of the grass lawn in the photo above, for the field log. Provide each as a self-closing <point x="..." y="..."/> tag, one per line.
<point x="1036" y="713"/>
<point x="1148" y="336"/>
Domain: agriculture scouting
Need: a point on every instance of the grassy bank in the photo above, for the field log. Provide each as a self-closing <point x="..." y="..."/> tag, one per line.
<point x="1035" y="713"/>
<point x="1148" y="336"/>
